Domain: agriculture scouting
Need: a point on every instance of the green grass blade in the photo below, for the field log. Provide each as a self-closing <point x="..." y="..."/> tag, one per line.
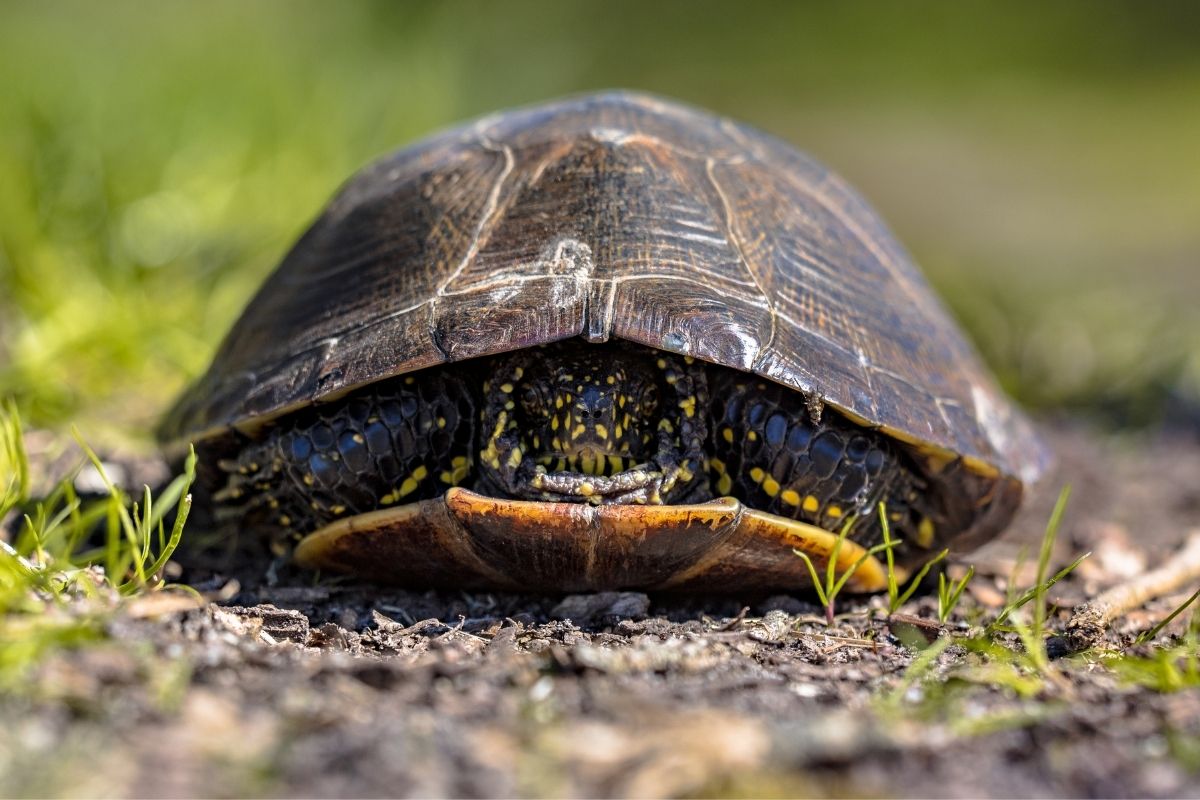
<point x="841" y="582"/>
<point x="14" y="461"/>
<point x="1150" y="634"/>
<point x="893" y="588"/>
<point x="921" y="666"/>
<point x="948" y="601"/>
<point x="816" y="578"/>
<point x="1042" y="585"/>
<point x="1032" y="592"/>
<point x="920" y="576"/>
<point x="1047" y="550"/>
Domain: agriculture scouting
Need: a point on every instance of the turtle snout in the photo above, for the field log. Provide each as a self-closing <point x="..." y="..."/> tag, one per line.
<point x="594" y="405"/>
<point x="593" y="426"/>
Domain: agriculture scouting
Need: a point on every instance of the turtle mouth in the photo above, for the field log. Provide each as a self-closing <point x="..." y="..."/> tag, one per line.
<point x="587" y="461"/>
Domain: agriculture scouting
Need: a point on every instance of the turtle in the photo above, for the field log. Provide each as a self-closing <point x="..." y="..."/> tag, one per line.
<point x="608" y="342"/>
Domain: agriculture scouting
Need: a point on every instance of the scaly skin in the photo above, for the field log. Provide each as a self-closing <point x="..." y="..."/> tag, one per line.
<point x="580" y="423"/>
<point x="576" y="422"/>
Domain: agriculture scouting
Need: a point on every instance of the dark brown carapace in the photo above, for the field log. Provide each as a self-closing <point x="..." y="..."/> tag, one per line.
<point x="718" y="315"/>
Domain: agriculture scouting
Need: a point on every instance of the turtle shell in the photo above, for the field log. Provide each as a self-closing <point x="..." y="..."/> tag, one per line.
<point x="471" y="541"/>
<point x="615" y="215"/>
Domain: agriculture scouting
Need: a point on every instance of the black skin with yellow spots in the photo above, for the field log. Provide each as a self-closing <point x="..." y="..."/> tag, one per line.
<point x="768" y="451"/>
<point x="390" y="443"/>
<point x="577" y="422"/>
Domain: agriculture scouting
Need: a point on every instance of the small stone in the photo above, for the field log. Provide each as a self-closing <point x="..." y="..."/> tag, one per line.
<point x="278" y="623"/>
<point x="985" y="594"/>
<point x="331" y="636"/>
<point x="773" y="627"/>
<point x="505" y="640"/>
<point x="601" y="607"/>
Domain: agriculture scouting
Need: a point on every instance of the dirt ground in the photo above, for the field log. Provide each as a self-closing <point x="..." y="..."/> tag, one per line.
<point x="336" y="689"/>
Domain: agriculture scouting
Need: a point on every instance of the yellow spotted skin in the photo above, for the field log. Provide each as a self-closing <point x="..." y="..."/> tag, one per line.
<point x="772" y="455"/>
<point x="578" y="422"/>
<point x="604" y="412"/>
<point x="389" y="444"/>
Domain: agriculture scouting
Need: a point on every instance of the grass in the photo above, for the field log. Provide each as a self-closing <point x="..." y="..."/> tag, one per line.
<point x="74" y="563"/>
<point x="146" y="189"/>
<point x="896" y="598"/>
<point x="1169" y="667"/>
<point x="950" y="592"/>
<point x="829" y="586"/>
<point x="956" y="678"/>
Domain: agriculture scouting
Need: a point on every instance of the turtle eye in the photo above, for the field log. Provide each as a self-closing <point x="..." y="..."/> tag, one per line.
<point x="649" y="400"/>
<point x="531" y="400"/>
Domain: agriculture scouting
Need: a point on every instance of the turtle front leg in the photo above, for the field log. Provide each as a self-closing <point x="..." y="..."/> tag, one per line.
<point x="599" y="489"/>
<point x="768" y="451"/>
<point x="642" y="485"/>
<point x="389" y="444"/>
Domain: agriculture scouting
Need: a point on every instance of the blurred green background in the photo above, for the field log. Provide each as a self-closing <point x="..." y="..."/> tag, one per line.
<point x="1041" y="161"/>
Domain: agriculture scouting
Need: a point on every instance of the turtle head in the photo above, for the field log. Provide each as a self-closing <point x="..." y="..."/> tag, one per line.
<point x="580" y="422"/>
<point x="594" y="411"/>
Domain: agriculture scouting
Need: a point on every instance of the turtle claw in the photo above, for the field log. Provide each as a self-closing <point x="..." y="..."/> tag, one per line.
<point x="638" y="485"/>
<point x="642" y="485"/>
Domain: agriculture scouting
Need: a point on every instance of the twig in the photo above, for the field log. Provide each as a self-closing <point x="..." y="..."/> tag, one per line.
<point x="462" y="621"/>
<point x="1090" y="620"/>
<point x="394" y="628"/>
<point x="735" y="621"/>
<point x="917" y="622"/>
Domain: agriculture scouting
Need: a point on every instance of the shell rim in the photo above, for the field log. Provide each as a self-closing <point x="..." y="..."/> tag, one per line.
<point x="870" y="574"/>
<point x="249" y="426"/>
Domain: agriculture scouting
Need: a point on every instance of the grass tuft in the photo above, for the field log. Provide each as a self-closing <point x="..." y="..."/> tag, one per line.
<point x="1008" y="656"/>
<point x="896" y="598"/>
<point x="833" y="583"/>
<point x="949" y="593"/>
<point x="988" y="663"/>
<point x="74" y="563"/>
<point x="1041" y="586"/>
<point x="1166" y="668"/>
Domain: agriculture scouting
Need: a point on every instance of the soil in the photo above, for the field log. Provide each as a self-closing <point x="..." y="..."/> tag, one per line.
<point x="286" y="686"/>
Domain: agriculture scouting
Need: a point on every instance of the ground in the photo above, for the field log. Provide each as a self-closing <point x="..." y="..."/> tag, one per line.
<point x="1040" y="167"/>
<point x="336" y="689"/>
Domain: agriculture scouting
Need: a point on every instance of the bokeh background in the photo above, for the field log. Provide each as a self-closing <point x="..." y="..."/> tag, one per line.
<point x="1041" y="162"/>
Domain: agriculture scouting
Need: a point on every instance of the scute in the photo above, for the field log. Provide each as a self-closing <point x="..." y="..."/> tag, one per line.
<point x="638" y="219"/>
<point x="468" y="540"/>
